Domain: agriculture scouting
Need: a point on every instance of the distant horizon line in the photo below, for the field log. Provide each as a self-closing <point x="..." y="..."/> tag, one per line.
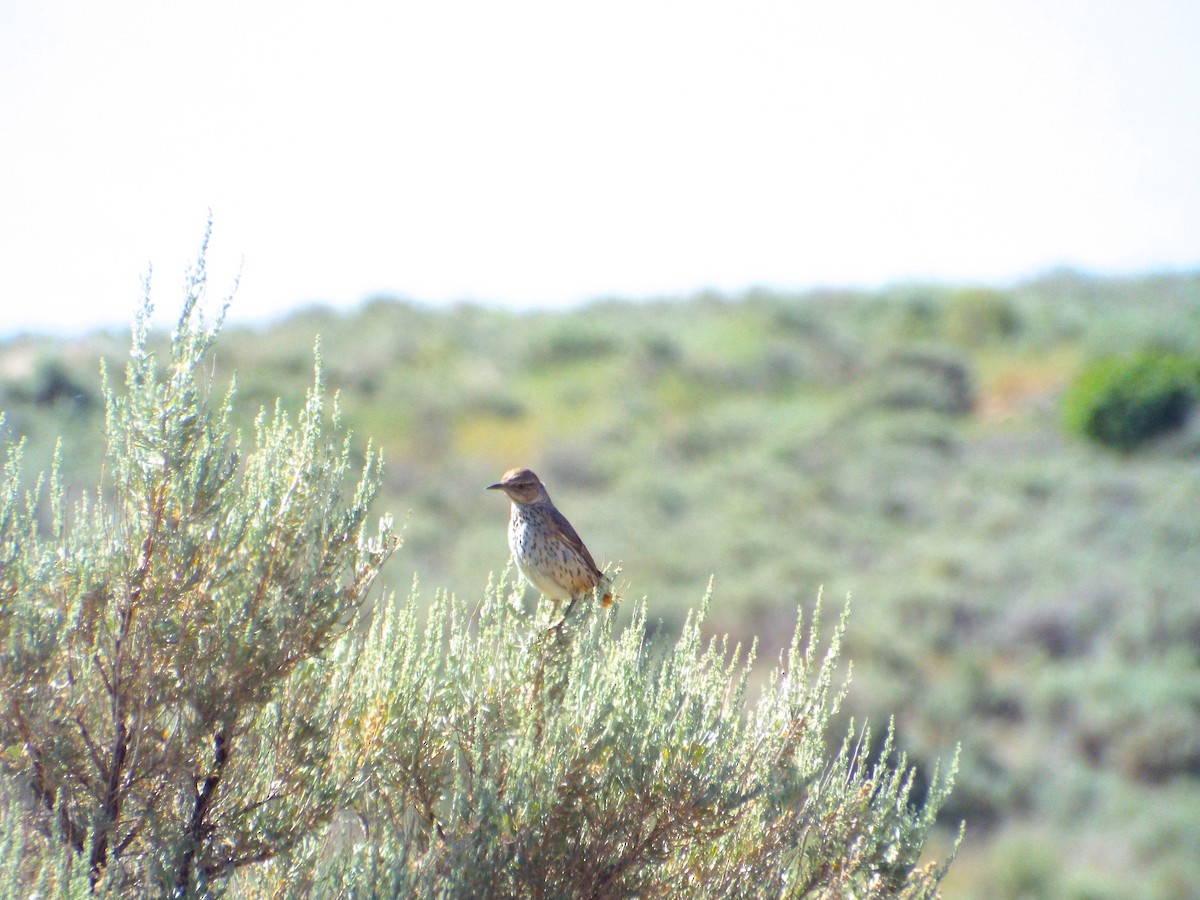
<point x="273" y="318"/>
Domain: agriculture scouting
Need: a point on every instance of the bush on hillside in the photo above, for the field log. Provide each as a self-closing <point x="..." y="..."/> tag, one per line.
<point x="974" y="317"/>
<point x="1124" y="402"/>
<point x="923" y="380"/>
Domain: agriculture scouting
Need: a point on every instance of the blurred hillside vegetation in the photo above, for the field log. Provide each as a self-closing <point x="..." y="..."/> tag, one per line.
<point x="1018" y="585"/>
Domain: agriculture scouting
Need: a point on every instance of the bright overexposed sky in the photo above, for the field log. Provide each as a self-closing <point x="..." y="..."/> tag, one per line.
<point x="541" y="153"/>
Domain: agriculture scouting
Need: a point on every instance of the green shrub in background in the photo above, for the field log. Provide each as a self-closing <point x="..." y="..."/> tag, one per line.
<point x="923" y="379"/>
<point x="1123" y="402"/>
<point x="197" y="701"/>
<point x="977" y="316"/>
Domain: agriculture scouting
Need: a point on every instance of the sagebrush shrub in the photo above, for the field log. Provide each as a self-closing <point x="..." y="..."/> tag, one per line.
<point x="170" y="699"/>
<point x="198" y="699"/>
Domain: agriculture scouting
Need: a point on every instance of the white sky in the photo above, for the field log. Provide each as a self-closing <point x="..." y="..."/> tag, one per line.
<point x="547" y="152"/>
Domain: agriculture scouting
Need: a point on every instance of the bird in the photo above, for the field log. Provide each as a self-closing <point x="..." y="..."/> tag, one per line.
<point x="547" y="550"/>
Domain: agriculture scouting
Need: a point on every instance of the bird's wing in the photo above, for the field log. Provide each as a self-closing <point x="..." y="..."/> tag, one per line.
<point x="565" y="533"/>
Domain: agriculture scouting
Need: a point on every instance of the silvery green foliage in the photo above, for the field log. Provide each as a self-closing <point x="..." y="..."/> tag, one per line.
<point x="192" y="702"/>
<point x="500" y="757"/>
<point x="171" y="705"/>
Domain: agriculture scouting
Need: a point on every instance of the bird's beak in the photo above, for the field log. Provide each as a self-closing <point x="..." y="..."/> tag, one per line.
<point x="495" y="487"/>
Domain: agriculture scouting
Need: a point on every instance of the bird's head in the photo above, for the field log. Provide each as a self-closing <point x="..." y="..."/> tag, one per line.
<point x="521" y="485"/>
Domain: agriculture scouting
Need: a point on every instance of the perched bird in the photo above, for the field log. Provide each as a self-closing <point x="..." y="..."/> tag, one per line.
<point x="544" y="546"/>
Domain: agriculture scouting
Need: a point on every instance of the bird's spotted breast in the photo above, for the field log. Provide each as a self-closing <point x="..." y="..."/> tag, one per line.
<point x="548" y="563"/>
